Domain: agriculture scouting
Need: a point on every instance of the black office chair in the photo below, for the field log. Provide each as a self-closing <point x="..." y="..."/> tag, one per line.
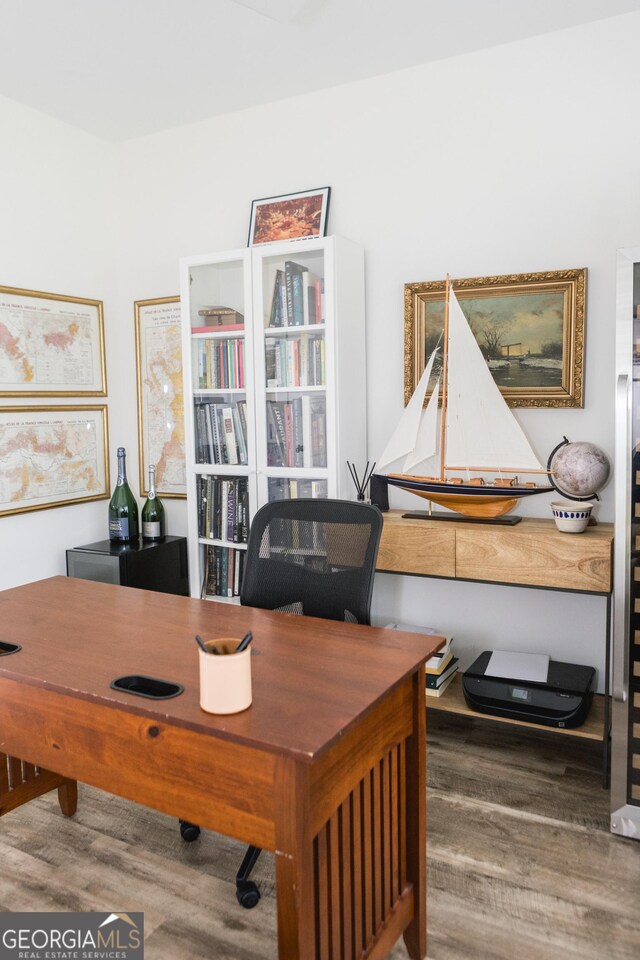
<point x="311" y="557"/>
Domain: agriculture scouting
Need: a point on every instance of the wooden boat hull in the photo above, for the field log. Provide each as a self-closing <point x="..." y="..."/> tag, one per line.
<point x="471" y="501"/>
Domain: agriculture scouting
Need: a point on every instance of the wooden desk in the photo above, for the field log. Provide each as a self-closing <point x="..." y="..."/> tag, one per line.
<point x="533" y="553"/>
<point x="326" y="768"/>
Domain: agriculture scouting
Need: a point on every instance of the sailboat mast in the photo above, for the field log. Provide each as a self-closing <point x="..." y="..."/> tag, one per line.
<point x="445" y="385"/>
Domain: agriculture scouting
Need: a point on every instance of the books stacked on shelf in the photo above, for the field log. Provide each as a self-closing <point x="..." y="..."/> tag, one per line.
<point x="219" y="363"/>
<point x="295" y="361"/>
<point x="223" y="569"/>
<point x="440" y="670"/>
<point x="218" y="319"/>
<point x="286" y="488"/>
<point x="298" y="297"/>
<point x="221" y="432"/>
<point x="296" y="432"/>
<point x="223" y="508"/>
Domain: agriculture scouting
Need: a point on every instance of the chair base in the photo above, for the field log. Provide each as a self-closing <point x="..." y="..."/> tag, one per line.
<point x="247" y="892"/>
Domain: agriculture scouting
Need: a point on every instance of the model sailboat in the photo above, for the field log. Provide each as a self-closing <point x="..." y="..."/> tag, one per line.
<point x="478" y="435"/>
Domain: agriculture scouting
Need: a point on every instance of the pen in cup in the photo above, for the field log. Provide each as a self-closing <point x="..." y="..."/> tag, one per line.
<point x="204" y="647"/>
<point x="244" y="643"/>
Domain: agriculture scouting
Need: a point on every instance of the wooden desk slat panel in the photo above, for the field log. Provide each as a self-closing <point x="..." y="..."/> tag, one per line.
<point x="535" y="555"/>
<point x="358" y="900"/>
<point x="178" y="771"/>
<point x="21" y="782"/>
<point x="412" y="546"/>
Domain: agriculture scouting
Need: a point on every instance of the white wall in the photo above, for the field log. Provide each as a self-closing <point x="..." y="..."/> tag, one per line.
<point x="56" y="235"/>
<point x="515" y="159"/>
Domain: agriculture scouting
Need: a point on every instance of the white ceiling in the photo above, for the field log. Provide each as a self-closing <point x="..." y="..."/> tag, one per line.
<point x="125" y="68"/>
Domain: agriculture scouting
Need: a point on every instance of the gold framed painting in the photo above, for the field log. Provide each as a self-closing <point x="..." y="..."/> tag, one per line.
<point x="530" y="328"/>
<point x="52" y="457"/>
<point x="51" y="345"/>
<point x="160" y="395"/>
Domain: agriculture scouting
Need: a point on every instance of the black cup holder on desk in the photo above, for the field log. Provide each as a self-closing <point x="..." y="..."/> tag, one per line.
<point x="7" y="648"/>
<point x="148" y="687"/>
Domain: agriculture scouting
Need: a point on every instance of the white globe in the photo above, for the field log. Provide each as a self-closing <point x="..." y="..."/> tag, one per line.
<point x="580" y="469"/>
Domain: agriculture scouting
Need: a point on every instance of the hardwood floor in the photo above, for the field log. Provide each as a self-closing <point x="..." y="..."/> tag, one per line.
<point x="521" y="863"/>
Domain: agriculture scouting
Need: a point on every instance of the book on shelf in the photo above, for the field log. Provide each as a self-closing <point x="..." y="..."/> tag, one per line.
<point x="220" y="363"/>
<point x="221" y="432"/>
<point x="294" y="289"/>
<point x="438" y="691"/>
<point x="216" y="316"/>
<point x="230" y="439"/>
<point x="311" y="298"/>
<point x="219" y="328"/>
<point x="223" y="508"/>
<point x="223" y="568"/>
<point x="295" y="361"/>
<point x="296" y="432"/>
<point x="276" y="315"/>
<point x="297" y="298"/>
<point x="435" y="680"/>
<point x="440" y="660"/>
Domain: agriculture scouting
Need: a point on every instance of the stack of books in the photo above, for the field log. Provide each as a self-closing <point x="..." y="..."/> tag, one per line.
<point x="219" y="318"/>
<point x="440" y="670"/>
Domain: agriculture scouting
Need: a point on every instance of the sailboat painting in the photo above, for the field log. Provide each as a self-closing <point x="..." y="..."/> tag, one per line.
<point x="474" y="434"/>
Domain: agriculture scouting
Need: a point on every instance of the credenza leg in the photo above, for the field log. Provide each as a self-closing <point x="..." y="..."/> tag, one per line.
<point x="68" y="797"/>
<point x="415" y="936"/>
<point x="294" y="863"/>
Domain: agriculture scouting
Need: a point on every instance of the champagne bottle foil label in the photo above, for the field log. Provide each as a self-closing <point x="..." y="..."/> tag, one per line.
<point x="119" y="528"/>
<point x="151" y="529"/>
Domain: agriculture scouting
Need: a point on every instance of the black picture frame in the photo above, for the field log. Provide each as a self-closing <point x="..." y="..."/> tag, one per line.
<point x="292" y="216"/>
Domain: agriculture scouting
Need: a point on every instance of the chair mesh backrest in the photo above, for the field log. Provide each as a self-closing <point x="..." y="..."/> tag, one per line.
<point x="314" y="557"/>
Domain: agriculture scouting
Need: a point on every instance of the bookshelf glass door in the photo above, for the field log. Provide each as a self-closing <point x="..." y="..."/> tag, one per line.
<point x="294" y="373"/>
<point x="222" y="426"/>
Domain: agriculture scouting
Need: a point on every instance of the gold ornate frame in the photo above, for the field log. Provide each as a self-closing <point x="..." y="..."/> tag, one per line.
<point x="572" y="284"/>
<point x="30" y="418"/>
<point x="98" y="366"/>
<point x="139" y="308"/>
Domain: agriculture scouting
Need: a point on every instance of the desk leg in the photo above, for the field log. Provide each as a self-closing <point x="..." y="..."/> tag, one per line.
<point x="415" y="936"/>
<point x="294" y="863"/>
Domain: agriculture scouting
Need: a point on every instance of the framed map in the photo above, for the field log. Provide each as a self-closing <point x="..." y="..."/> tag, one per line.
<point x="160" y="395"/>
<point x="50" y="345"/>
<point x="52" y="456"/>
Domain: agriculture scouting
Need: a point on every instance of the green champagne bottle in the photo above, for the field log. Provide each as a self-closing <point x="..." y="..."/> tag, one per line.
<point x="123" y="509"/>
<point x="153" y="523"/>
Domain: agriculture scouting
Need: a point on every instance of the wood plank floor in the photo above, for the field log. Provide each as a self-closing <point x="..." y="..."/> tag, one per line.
<point x="521" y="862"/>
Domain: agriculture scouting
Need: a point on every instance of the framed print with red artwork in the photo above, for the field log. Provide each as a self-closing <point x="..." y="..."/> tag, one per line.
<point x="294" y="216"/>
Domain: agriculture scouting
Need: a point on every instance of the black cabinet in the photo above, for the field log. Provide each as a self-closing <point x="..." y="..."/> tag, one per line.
<point x="149" y="565"/>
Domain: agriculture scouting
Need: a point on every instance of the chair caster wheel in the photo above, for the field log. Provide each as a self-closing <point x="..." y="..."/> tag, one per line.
<point x="247" y="894"/>
<point x="189" y="831"/>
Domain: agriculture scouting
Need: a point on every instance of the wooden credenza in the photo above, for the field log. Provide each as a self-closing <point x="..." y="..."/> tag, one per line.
<point x="532" y="553"/>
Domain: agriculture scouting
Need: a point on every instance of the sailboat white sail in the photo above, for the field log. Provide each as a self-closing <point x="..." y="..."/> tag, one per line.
<point x="481" y="431"/>
<point x="479" y="435"/>
<point x="406" y="435"/>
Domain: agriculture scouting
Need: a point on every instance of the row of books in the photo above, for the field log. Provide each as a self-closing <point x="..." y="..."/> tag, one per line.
<point x="295" y="362"/>
<point x="223" y="569"/>
<point x="297" y="432"/>
<point x="223" y="508"/>
<point x="298" y="297"/>
<point x="221" y="432"/>
<point x="289" y="488"/>
<point x="440" y="670"/>
<point x="219" y="363"/>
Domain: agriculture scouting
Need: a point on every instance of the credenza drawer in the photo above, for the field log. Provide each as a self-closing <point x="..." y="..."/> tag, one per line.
<point x="419" y="547"/>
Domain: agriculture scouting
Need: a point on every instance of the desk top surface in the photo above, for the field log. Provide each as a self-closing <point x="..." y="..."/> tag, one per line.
<point x="312" y="679"/>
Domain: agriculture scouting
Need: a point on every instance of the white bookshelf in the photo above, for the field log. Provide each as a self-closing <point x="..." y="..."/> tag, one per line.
<point x="319" y="401"/>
